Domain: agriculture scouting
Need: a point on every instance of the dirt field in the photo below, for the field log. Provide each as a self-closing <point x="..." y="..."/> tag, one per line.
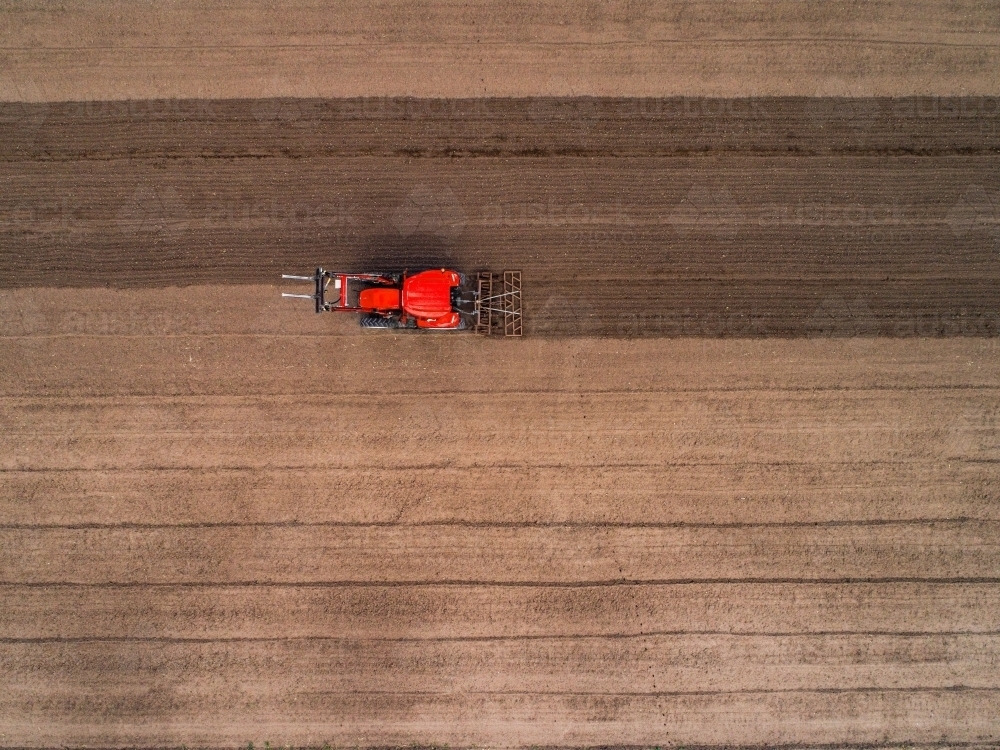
<point x="116" y="49"/>
<point x="735" y="487"/>
<point x="229" y="523"/>
<point x="775" y="217"/>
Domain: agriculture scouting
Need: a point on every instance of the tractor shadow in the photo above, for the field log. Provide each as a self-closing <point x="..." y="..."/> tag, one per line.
<point x="391" y="253"/>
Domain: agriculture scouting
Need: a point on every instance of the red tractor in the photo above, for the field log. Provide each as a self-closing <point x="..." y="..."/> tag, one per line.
<point x="434" y="300"/>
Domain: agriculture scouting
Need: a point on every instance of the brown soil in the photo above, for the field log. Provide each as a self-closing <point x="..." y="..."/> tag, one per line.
<point x="699" y="504"/>
<point x="796" y="217"/>
<point x="229" y="522"/>
<point x="115" y="49"/>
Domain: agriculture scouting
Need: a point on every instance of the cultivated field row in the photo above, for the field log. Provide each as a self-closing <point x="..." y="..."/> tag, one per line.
<point x="476" y="611"/>
<point x="968" y="550"/>
<point x="862" y="717"/>
<point x="735" y="494"/>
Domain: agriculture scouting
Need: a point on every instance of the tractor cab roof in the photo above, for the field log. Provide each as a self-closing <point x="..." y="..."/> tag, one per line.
<point x="428" y="293"/>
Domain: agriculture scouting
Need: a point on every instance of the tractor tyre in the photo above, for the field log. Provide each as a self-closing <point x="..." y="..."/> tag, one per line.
<point x="377" y="321"/>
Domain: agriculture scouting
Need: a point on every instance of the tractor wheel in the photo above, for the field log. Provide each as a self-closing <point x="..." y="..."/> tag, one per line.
<point x="377" y="321"/>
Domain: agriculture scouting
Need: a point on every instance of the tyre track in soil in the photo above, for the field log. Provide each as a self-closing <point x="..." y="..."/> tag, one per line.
<point x="769" y="217"/>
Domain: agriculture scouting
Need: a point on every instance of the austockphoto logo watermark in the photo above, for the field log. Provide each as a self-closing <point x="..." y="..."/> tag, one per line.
<point x="283" y="111"/>
<point x="841" y="315"/>
<point x="688" y="108"/>
<point x="154" y="209"/>
<point x="242" y="213"/>
<point x="560" y="107"/>
<point x="430" y="211"/>
<point x="588" y="110"/>
<point x="840" y="105"/>
<point x="22" y="104"/>
<point x="581" y="225"/>
<point x="163" y="210"/>
<point x="410" y="108"/>
<point x="846" y="316"/>
<point x="554" y="213"/>
<point x="286" y="103"/>
<point x="39" y="218"/>
<point x="555" y="317"/>
<point x="714" y="211"/>
<point x="553" y="109"/>
<point x="136" y="111"/>
<point x="826" y="212"/>
<point x="976" y="216"/>
<point x="683" y="323"/>
<point x="707" y="209"/>
<point x="139" y="320"/>
<point x="436" y="211"/>
<point x="945" y="107"/>
<point x="21" y="314"/>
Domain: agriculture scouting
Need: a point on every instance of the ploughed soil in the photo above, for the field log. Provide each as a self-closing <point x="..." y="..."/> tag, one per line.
<point x="226" y="519"/>
<point x="735" y="486"/>
<point x="628" y="217"/>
